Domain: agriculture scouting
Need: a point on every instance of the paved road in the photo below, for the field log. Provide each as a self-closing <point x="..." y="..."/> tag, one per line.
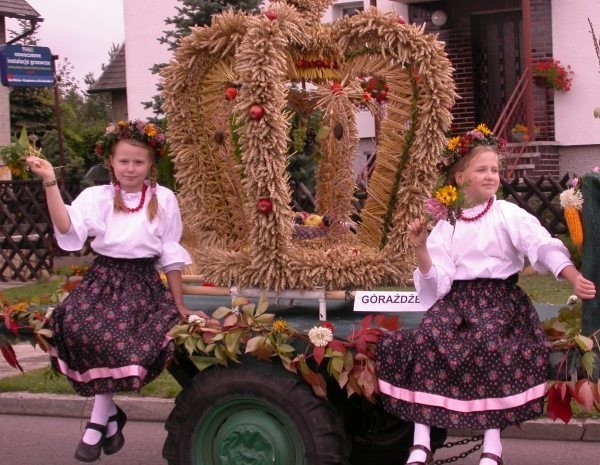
<point x="33" y="440"/>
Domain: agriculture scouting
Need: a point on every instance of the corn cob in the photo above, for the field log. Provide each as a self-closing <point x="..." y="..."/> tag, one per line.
<point x="573" y="219"/>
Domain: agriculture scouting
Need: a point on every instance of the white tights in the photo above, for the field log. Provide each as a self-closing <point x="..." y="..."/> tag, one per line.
<point x="422" y="437"/>
<point x="103" y="408"/>
<point x="491" y="443"/>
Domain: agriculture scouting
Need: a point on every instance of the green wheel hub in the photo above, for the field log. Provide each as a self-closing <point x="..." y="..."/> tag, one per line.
<point x="245" y="431"/>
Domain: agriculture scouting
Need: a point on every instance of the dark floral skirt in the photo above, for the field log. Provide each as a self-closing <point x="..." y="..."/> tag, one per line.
<point x="110" y="333"/>
<point x="478" y="360"/>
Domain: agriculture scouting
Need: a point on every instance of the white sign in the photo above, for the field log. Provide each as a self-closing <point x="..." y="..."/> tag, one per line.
<point x="387" y="301"/>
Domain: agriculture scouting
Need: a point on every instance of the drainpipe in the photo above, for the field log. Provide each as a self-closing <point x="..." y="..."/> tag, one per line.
<point x="28" y="32"/>
<point x="526" y="9"/>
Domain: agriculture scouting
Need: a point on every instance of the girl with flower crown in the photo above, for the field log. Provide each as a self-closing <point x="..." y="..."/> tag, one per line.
<point x="110" y="334"/>
<point x="478" y="359"/>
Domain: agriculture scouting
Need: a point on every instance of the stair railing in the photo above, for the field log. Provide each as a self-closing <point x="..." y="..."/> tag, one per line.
<point x="507" y="116"/>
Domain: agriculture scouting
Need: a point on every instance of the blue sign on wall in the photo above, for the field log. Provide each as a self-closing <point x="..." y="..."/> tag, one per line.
<point x="25" y="66"/>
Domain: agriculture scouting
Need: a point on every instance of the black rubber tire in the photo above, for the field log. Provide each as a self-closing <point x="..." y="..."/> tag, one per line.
<point x="378" y="437"/>
<point x="228" y="411"/>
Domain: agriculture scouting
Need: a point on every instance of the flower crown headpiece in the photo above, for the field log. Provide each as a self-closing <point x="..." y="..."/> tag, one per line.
<point x="460" y="146"/>
<point x="147" y="133"/>
<point x="447" y="199"/>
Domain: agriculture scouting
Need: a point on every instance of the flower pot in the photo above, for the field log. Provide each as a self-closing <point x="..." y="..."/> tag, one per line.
<point x="519" y="137"/>
<point x="541" y="81"/>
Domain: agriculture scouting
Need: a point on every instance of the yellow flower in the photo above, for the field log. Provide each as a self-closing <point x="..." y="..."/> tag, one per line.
<point x="279" y="326"/>
<point x="453" y="143"/>
<point x="447" y="195"/>
<point x="20" y="307"/>
<point x="150" y="131"/>
<point x="483" y="129"/>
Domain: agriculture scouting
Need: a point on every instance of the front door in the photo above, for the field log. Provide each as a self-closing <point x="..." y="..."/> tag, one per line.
<point x="497" y="66"/>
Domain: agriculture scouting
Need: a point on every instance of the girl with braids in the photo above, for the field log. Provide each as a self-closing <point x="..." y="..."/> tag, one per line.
<point x="110" y="334"/>
<point x="478" y="359"/>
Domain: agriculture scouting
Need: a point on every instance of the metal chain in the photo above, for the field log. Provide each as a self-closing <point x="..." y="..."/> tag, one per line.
<point x="461" y="442"/>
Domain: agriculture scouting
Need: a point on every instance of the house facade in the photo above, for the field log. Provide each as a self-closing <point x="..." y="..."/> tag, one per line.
<point x="491" y="45"/>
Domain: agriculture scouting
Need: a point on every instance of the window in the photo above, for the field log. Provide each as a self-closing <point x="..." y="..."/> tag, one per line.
<point x="351" y="11"/>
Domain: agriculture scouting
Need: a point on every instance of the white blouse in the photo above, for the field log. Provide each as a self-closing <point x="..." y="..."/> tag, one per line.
<point x="126" y="234"/>
<point x="495" y="246"/>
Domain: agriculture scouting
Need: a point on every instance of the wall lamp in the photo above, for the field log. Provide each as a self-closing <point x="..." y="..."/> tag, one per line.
<point x="439" y="18"/>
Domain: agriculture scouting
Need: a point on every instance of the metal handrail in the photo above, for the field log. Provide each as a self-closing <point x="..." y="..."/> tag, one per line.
<point x="512" y="103"/>
<point x="501" y="126"/>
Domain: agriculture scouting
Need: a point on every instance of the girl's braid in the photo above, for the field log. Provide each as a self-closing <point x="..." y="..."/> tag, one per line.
<point x="153" y="204"/>
<point x="118" y="198"/>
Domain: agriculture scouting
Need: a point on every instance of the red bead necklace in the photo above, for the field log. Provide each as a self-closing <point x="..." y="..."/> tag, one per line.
<point x="141" y="204"/>
<point x="479" y="215"/>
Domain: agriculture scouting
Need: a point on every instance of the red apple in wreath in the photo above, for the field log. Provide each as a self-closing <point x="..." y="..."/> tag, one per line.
<point x="271" y="15"/>
<point x="256" y="112"/>
<point x="230" y="93"/>
<point x="336" y="88"/>
<point x="264" y="206"/>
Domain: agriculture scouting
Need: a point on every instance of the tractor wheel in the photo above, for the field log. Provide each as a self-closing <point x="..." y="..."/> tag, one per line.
<point x="256" y="413"/>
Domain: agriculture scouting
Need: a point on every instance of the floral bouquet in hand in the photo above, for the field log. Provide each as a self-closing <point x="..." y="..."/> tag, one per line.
<point x="444" y="204"/>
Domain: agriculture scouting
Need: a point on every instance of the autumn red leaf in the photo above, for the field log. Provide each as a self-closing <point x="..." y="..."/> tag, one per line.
<point x="318" y="354"/>
<point x="584" y="395"/>
<point x="315" y="380"/>
<point x="9" y="323"/>
<point x="366" y="322"/>
<point x="559" y="405"/>
<point x="391" y="323"/>
<point x="337" y="345"/>
<point x="9" y="354"/>
<point x="361" y="346"/>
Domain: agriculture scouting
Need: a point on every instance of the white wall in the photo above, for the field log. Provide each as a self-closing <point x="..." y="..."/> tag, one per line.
<point x="572" y="44"/>
<point x="144" y="22"/>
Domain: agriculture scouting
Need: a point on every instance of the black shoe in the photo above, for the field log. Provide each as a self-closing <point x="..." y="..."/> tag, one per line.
<point x="114" y="443"/>
<point x="91" y="452"/>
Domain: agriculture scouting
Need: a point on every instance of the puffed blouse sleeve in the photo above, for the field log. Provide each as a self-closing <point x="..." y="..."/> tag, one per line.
<point x="171" y="226"/>
<point x="438" y="280"/>
<point x="544" y="252"/>
<point x="86" y="213"/>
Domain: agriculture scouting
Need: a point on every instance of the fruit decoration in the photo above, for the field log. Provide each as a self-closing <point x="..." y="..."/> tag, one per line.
<point x="336" y="88"/>
<point x="219" y="137"/>
<point x="256" y="112"/>
<point x="230" y="93"/>
<point x="264" y="206"/>
<point x="313" y="221"/>
<point x="272" y="15"/>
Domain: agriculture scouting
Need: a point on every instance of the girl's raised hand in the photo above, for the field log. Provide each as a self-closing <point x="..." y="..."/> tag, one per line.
<point x="41" y="167"/>
<point x="584" y="288"/>
<point x="417" y="233"/>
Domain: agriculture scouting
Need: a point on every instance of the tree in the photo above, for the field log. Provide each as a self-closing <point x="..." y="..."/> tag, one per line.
<point x="200" y="13"/>
<point x="193" y="13"/>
